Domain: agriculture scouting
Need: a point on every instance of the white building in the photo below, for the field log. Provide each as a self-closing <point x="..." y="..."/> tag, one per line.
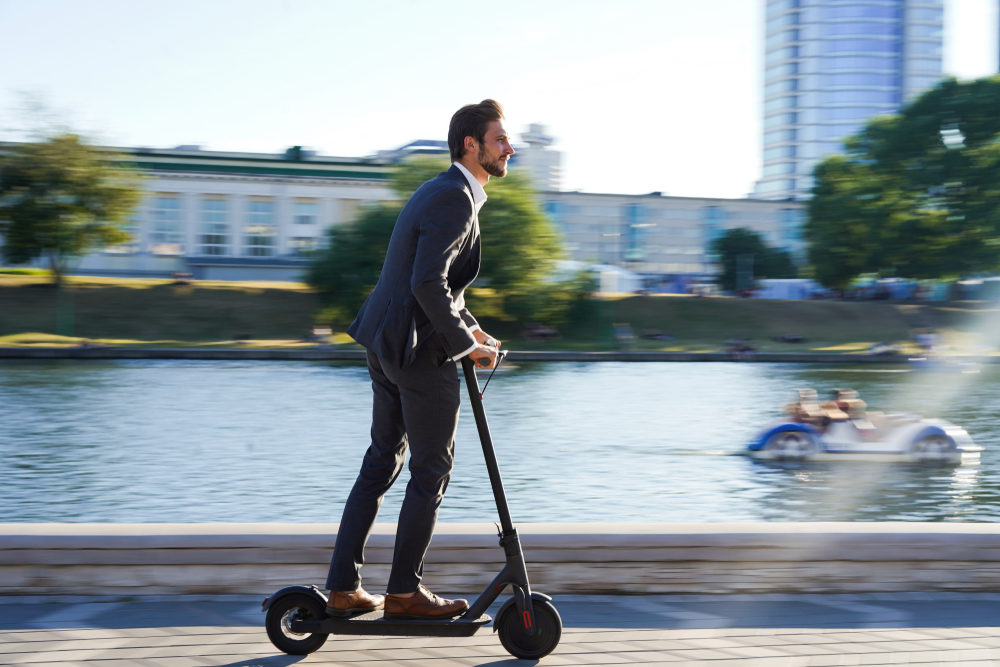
<point x="251" y="216"/>
<point x="238" y="216"/>
<point x="665" y="238"/>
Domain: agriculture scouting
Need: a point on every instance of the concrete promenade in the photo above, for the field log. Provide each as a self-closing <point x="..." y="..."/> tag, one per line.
<point x="648" y="594"/>
<point x="766" y="630"/>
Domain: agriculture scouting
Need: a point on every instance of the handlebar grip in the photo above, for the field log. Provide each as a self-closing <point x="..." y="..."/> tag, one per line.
<point x="485" y="363"/>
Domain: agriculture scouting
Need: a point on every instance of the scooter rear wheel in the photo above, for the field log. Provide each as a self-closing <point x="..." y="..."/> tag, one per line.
<point x="530" y="643"/>
<point x="289" y="608"/>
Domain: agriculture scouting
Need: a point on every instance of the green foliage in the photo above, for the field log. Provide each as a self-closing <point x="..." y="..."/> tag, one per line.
<point x="520" y="245"/>
<point x="59" y="198"/>
<point x="917" y="194"/>
<point x="520" y="248"/>
<point x="744" y="256"/>
<point x="347" y="268"/>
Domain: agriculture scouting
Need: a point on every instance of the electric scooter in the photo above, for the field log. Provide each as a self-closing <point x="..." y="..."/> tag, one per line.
<point x="528" y="624"/>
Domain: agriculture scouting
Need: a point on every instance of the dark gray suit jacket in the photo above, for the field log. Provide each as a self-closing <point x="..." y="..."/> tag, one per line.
<point x="433" y="256"/>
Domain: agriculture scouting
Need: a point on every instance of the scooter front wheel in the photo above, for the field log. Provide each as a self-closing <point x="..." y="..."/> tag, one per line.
<point x="530" y="643"/>
<point x="286" y="610"/>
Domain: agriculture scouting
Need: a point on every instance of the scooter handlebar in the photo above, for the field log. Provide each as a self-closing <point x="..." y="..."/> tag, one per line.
<point x="501" y="354"/>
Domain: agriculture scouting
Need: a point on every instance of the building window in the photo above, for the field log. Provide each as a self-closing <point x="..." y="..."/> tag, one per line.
<point x="865" y="63"/>
<point x="861" y="45"/>
<point x="925" y="48"/>
<point x="934" y="14"/>
<point x="786" y="102"/>
<point x="834" y="114"/>
<point x="836" y="131"/>
<point x="861" y="12"/>
<point x="303" y="245"/>
<point x="855" y="80"/>
<point x="166" y="236"/>
<point x="259" y="234"/>
<point x="782" y="5"/>
<point x="924" y="30"/>
<point x="713" y="222"/>
<point x="783" y="86"/>
<point x="635" y="216"/>
<point x="862" y="28"/>
<point x="779" y="38"/>
<point x="790" y="223"/>
<point x="786" y="53"/>
<point x="778" y="136"/>
<point x="558" y="212"/>
<point x="778" y="168"/>
<point x="781" y="21"/>
<point x="778" y="71"/>
<point x="777" y="120"/>
<point x="214" y="239"/>
<point x="306" y="211"/>
<point x="834" y="97"/>
<point x="927" y="65"/>
<point x="778" y="185"/>
<point x="779" y="152"/>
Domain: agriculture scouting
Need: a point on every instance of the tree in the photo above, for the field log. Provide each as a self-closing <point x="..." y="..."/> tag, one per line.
<point x="520" y="247"/>
<point x="59" y="198"/>
<point x="916" y="194"/>
<point x="744" y="256"/>
<point x="346" y="269"/>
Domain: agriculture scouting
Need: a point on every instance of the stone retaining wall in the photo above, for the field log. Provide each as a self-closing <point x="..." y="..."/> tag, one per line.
<point x="128" y="559"/>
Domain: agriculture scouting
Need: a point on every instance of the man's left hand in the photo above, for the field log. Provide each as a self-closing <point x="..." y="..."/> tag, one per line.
<point x="484" y="338"/>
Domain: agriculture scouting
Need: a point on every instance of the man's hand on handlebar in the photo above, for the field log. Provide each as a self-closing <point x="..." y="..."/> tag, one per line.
<point x="484" y="356"/>
<point x="484" y="338"/>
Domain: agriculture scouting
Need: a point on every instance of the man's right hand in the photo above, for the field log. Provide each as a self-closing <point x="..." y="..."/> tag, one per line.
<point x="484" y="356"/>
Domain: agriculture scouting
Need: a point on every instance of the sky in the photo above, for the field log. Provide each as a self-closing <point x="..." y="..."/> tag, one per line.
<point x="639" y="95"/>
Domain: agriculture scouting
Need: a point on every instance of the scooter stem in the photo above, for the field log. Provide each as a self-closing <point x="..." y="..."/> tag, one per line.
<point x="492" y="467"/>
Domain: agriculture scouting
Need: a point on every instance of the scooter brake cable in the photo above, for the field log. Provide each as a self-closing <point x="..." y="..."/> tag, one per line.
<point x="501" y="354"/>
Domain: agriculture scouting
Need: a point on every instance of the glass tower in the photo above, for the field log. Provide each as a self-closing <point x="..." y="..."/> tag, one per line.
<point x="829" y="66"/>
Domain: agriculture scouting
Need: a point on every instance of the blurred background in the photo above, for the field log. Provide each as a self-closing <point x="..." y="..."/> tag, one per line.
<point x="744" y="177"/>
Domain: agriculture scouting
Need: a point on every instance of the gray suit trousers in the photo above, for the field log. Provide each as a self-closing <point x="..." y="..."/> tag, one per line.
<point x="414" y="408"/>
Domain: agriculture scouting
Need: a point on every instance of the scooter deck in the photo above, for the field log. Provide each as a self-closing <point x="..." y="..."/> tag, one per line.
<point x="374" y="623"/>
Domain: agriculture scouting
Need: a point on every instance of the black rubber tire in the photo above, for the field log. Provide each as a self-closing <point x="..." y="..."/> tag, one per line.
<point x="530" y="646"/>
<point x="296" y="606"/>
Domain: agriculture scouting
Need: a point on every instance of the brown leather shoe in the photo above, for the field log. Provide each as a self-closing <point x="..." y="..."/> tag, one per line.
<point x="423" y="604"/>
<point x="349" y="603"/>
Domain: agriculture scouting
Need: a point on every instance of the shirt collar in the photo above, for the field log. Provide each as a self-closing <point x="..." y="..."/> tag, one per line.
<point x="478" y="193"/>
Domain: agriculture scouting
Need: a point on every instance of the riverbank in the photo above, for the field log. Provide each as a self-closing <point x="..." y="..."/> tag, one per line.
<point x="563" y="558"/>
<point x="331" y="353"/>
<point x="126" y="313"/>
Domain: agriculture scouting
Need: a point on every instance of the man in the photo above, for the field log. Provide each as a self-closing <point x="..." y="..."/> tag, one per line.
<point x="415" y="326"/>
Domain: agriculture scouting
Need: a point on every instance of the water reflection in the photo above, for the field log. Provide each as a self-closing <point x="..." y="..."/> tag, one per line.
<point x="281" y="441"/>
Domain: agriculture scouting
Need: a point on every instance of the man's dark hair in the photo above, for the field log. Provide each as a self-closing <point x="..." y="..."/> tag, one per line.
<point x="471" y="121"/>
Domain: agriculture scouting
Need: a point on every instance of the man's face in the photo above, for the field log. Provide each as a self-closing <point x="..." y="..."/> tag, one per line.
<point x="494" y="150"/>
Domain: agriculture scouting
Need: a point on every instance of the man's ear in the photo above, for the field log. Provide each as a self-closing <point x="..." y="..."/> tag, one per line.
<point x="470" y="145"/>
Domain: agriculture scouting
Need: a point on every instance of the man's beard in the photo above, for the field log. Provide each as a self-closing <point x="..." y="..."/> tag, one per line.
<point x="496" y="168"/>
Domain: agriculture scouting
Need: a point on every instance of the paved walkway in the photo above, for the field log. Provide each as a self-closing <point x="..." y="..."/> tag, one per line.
<point x="748" y="630"/>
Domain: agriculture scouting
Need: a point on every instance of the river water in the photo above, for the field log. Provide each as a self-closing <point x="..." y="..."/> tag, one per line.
<point x="260" y="441"/>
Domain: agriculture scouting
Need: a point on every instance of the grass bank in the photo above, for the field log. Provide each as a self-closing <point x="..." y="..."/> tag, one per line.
<point x="150" y="312"/>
